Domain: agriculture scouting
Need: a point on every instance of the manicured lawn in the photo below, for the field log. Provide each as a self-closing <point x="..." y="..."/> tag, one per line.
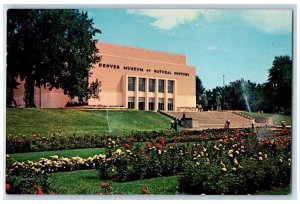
<point x="34" y="156"/>
<point x="88" y="182"/>
<point x="277" y="118"/>
<point x="67" y="122"/>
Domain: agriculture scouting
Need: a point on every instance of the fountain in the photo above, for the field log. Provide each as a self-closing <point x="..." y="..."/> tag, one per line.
<point x="108" y="125"/>
<point x="245" y="95"/>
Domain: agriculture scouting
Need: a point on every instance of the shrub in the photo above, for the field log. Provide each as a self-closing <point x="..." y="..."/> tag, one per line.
<point x="25" y="181"/>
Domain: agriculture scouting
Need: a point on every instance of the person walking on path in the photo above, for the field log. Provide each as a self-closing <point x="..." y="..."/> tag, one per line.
<point x="252" y="123"/>
<point x="227" y="123"/>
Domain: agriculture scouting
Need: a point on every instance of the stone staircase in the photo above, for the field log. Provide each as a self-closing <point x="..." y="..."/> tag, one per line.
<point x="214" y="119"/>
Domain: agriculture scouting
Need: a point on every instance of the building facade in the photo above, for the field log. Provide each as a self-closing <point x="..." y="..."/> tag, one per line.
<point x="133" y="78"/>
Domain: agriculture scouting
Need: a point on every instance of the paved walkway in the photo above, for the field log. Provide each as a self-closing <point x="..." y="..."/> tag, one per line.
<point x="215" y="119"/>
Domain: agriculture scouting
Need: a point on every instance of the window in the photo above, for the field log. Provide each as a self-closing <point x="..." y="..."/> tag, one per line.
<point x="130" y="102"/>
<point x="161" y="104"/>
<point x="151" y="104"/>
<point x="170" y="86"/>
<point x="141" y="84"/>
<point x="131" y="83"/>
<point x="161" y="86"/>
<point x="141" y="103"/>
<point x="151" y="85"/>
<point x="170" y="104"/>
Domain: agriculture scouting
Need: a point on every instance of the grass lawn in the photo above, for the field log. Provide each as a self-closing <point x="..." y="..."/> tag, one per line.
<point x="277" y="118"/>
<point x="35" y="156"/>
<point x="67" y="121"/>
<point x="88" y="182"/>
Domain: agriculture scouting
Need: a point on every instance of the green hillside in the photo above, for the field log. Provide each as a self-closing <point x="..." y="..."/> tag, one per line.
<point x="67" y="122"/>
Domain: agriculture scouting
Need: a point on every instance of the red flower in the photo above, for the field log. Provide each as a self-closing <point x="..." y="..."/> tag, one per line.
<point x="7" y="186"/>
<point x="103" y="184"/>
<point x="159" y="146"/>
<point x="149" y="145"/>
<point x="144" y="190"/>
<point x="162" y="141"/>
<point x="107" y="193"/>
<point x="127" y="146"/>
<point x="39" y="191"/>
<point x="52" y="193"/>
<point x="100" y="193"/>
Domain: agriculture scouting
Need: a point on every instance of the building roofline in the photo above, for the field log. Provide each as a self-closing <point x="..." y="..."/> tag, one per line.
<point x="172" y="53"/>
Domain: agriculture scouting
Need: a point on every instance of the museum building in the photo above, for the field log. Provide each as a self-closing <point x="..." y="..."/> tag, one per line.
<point x="133" y="78"/>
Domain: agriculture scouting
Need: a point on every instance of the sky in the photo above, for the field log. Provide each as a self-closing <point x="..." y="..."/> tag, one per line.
<point x="236" y="43"/>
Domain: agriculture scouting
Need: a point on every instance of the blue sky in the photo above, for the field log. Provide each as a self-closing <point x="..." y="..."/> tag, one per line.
<point x="237" y="43"/>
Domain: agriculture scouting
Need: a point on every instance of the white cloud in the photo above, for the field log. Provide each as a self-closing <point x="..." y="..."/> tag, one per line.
<point x="269" y="21"/>
<point x="211" y="48"/>
<point x="167" y="19"/>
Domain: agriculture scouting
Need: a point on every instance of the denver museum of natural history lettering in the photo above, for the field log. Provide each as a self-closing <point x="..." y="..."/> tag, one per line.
<point x="134" y="78"/>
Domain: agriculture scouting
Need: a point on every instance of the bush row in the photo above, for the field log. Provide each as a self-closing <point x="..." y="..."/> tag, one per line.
<point x="23" y="143"/>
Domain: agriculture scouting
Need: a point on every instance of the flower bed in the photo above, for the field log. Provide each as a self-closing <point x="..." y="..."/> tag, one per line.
<point x="218" y="162"/>
<point x="24" y="143"/>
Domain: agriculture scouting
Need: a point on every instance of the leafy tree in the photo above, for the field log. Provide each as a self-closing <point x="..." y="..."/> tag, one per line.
<point x="50" y="48"/>
<point x="204" y="101"/>
<point x="278" y="88"/>
<point x="218" y="101"/>
<point x="199" y="89"/>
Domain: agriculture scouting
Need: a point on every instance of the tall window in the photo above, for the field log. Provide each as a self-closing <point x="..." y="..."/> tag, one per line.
<point x="151" y="85"/>
<point x="141" y="103"/>
<point x="170" y="86"/>
<point x="141" y="84"/>
<point x="130" y="102"/>
<point x="131" y="83"/>
<point x="161" y="86"/>
<point x="151" y="104"/>
<point x="161" y="104"/>
<point x="170" y="104"/>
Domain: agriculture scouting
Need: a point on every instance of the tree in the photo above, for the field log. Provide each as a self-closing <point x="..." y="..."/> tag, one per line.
<point x="278" y="88"/>
<point x="204" y="101"/>
<point x="218" y="101"/>
<point x="50" y="48"/>
<point x="199" y="89"/>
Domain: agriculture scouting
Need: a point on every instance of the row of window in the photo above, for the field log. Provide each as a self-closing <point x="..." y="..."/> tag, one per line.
<point x="151" y="103"/>
<point x="151" y="86"/>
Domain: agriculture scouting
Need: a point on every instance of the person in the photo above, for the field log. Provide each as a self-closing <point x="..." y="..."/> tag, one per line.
<point x="227" y="123"/>
<point x="266" y="124"/>
<point x="283" y="124"/>
<point x="174" y="124"/>
<point x="252" y="123"/>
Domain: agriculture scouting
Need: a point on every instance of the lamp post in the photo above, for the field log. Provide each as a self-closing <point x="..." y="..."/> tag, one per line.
<point x="224" y="90"/>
